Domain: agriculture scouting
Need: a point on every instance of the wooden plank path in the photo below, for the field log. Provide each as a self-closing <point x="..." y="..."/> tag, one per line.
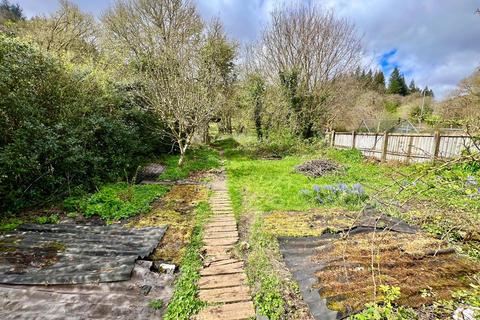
<point x="223" y="279"/>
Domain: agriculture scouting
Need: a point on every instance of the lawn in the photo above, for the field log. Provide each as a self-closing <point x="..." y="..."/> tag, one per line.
<point x="443" y="199"/>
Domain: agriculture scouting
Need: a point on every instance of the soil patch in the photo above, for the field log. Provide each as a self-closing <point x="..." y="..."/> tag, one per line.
<point x="334" y="271"/>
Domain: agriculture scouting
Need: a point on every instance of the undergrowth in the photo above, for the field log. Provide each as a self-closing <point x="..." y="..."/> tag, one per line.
<point x="116" y="201"/>
<point x="185" y="302"/>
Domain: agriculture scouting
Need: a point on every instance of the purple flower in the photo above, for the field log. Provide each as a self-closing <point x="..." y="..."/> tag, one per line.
<point x="342" y="187"/>
<point x="472" y="181"/>
<point x="358" y="188"/>
<point x="316" y="188"/>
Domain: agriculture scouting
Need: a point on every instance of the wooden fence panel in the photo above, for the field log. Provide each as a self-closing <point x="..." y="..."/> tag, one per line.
<point x="403" y="147"/>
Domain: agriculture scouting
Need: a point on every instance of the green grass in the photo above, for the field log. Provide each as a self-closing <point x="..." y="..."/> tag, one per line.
<point x="117" y="201"/>
<point x="200" y="159"/>
<point x="432" y="194"/>
<point x="185" y="302"/>
<point x="274" y="185"/>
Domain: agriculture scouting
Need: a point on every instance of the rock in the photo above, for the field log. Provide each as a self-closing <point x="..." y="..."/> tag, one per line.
<point x="167" y="268"/>
<point x="145" y="289"/>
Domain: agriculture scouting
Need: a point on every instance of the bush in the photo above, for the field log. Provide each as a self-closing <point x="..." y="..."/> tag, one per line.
<point x="64" y="129"/>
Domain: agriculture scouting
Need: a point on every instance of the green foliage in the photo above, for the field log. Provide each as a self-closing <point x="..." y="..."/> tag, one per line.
<point x="397" y="83"/>
<point x="185" y="302"/>
<point x="352" y="197"/>
<point x="391" y="106"/>
<point x="10" y="224"/>
<point x="200" y="159"/>
<point x="386" y="310"/>
<point x="64" y="129"/>
<point x="268" y="294"/>
<point x="156" y="304"/>
<point x="118" y="201"/>
<point x="51" y="219"/>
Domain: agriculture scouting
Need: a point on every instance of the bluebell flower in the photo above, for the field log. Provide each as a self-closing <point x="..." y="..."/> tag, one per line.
<point x="358" y="188"/>
<point x="342" y="187"/>
<point x="472" y="181"/>
<point x="316" y="188"/>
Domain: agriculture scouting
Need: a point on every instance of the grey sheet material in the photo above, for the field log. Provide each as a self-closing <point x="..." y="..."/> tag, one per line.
<point x="73" y="254"/>
<point x="298" y="253"/>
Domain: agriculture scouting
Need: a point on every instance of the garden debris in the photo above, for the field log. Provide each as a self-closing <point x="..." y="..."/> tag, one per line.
<point x="69" y="253"/>
<point x="114" y="300"/>
<point x="150" y="172"/>
<point x="334" y="271"/>
<point x="316" y="168"/>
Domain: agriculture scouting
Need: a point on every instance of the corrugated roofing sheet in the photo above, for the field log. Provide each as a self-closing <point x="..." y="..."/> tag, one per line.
<point x="72" y="254"/>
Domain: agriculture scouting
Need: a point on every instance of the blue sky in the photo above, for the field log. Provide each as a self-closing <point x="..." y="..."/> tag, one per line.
<point x="437" y="42"/>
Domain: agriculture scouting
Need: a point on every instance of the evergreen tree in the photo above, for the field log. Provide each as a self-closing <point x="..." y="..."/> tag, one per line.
<point x="412" y="88"/>
<point x="428" y="92"/>
<point x="397" y="83"/>
<point x="379" y="81"/>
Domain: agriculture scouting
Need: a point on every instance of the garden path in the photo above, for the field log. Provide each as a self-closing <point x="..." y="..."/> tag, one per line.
<point x="223" y="279"/>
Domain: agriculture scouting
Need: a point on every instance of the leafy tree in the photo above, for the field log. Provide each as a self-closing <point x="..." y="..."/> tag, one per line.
<point x="68" y="31"/>
<point x="397" y="83"/>
<point x="64" y="129"/>
<point x="256" y="90"/>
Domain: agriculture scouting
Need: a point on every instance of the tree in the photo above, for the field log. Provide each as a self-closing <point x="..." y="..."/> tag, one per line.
<point x="68" y="30"/>
<point x="412" y="88"/>
<point x="218" y="58"/>
<point x="379" y="81"/>
<point x="427" y="92"/>
<point x="164" y="44"/>
<point x="317" y="46"/>
<point x="397" y="83"/>
<point x="10" y="12"/>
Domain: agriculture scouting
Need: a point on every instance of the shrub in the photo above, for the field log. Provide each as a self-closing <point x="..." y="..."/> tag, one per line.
<point x="64" y="129"/>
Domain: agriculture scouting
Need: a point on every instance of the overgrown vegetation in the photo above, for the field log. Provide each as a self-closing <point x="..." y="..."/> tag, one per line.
<point x="117" y="201"/>
<point x="185" y="302"/>
<point x="287" y="202"/>
<point x="64" y="128"/>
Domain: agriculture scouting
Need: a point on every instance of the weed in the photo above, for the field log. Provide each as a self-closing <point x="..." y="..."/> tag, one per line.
<point x="51" y="219"/>
<point x="156" y="304"/>
<point x="185" y="302"/>
<point x="119" y="201"/>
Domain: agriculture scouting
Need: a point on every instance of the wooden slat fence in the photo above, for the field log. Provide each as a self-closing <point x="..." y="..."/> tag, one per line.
<point x="403" y="147"/>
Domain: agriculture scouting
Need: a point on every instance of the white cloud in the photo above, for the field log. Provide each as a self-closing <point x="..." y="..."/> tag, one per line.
<point x="437" y="41"/>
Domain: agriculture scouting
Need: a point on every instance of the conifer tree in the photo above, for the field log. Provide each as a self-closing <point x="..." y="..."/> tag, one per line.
<point x="379" y="81"/>
<point x="397" y="83"/>
<point x="412" y="88"/>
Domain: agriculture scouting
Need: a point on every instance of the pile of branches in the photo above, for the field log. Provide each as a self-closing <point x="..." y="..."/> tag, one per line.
<point x="316" y="168"/>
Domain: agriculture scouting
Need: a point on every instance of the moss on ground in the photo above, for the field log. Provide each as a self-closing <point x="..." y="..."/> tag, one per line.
<point x="176" y="210"/>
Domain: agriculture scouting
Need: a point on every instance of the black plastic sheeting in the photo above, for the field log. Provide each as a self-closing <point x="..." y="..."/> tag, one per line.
<point x="298" y="254"/>
<point x="73" y="254"/>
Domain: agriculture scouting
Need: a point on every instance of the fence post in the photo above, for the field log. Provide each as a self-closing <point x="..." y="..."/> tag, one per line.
<point x="385" y="146"/>
<point x="409" y="149"/>
<point x="436" y="145"/>
<point x="332" y="138"/>
<point x="354" y="136"/>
